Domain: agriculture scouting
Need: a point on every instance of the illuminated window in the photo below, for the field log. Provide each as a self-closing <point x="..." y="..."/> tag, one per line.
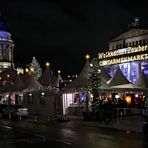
<point x="140" y="42"/>
<point x="134" y="80"/>
<point x="144" y="42"/>
<point x="133" y="43"/>
<point x="134" y="72"/>
<point x="124" y="69"/>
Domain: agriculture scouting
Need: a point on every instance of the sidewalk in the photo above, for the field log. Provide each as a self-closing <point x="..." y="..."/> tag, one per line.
<point x="132" y="123"/>
<point x="129" y="124"/>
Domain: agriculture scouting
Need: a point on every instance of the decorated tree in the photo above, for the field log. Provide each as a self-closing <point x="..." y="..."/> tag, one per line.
<point x="95" y="82"/>
<point x="35" y="68"/>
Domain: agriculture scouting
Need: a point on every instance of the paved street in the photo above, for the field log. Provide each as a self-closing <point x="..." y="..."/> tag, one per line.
<point x="131" y="123"/>
<point x="71" y="134"/>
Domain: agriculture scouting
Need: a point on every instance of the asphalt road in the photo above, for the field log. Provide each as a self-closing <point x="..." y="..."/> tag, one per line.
<point x="22" y="134"/>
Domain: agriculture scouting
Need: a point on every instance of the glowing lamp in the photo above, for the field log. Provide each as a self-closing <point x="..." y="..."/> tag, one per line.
<point x="87" y="56"/>
<point x="42" y="93"/>
<point x="91" y="65"/>
<point x="26" y="70"/>
<point x="91" y="95"/>
<point x="128" y="99"/>
<point x="18" y="72"/>
<point x="47" y="64"/>
<point x="99" y="70"/>
<point x="8" y="76"/>
<point x="117" y="96"/>
<point x="59" y="71"/>
<point x="31" y="69"/>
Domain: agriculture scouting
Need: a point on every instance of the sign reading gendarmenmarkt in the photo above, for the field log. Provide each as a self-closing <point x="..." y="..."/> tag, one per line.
<point x="128" y="54"/>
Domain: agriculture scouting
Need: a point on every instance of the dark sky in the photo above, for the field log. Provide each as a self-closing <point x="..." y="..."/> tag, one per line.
<point x="63" y="31"/>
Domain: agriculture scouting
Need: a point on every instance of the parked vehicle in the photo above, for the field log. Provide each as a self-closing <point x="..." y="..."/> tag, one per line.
<point x="15" y="111"/>
<point x="145" y="122"/>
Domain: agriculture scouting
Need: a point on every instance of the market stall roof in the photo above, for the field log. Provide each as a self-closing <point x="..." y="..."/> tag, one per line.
<point x="12" y="73"/>
<point x="82" y="81"/>
<point x="118" y="79"/>
<point x="124" y="86"/>
<point x="18" y="84"/>
<point x="103" y="85"/>
<point x="7" y="86"/>
<point x="47" y="78"/>
<point x="104" y="75"/>
<point x="32" y="83"/>
<point x="58" y="81"/>
<point x="142" y="81"/>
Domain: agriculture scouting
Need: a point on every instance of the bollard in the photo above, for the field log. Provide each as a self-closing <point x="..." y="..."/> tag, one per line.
<point x="121" y="114"/>
<point x="35" y="118"/>
<point x="20" y="117"/>
<point x="48" y="119"/>
<point x="9" y="115"/>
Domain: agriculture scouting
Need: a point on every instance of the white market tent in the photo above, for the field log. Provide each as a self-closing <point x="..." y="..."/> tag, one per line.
<point x="8" y="86"/>
<point x="120" y="81"/>
<point x="118" y="78"/>
<point x="82" y="80"/>
<point x="142" y="81"/>
<point x="47" y="78"/>
<point x="57" y="81"/>
<point x="18" y="84"/>
<point x="124" y="86"/>
<point x="32" y="83"/>
<point x="104" y="75"/>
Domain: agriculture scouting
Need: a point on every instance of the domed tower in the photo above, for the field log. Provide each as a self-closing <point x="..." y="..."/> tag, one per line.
<point x="6" y="47"/>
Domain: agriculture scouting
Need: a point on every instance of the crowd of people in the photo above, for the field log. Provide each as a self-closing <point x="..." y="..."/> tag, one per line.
<point x="106" y="109"/>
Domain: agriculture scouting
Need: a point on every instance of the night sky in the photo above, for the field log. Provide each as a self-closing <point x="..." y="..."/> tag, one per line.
<point x="63" y="31"/>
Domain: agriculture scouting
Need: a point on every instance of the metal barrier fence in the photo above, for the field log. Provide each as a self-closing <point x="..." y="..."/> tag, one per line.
<point x="75" y="111"/>
<point x="118" y="112"/>
<point x="128" y="111"/>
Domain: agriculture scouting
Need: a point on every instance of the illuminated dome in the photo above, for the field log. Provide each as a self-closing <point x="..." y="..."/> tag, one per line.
<point x="6" y="47"/>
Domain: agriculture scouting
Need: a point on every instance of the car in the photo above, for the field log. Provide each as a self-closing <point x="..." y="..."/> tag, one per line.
<point x="15" y="111"/>
<point x="19" y="110"/>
